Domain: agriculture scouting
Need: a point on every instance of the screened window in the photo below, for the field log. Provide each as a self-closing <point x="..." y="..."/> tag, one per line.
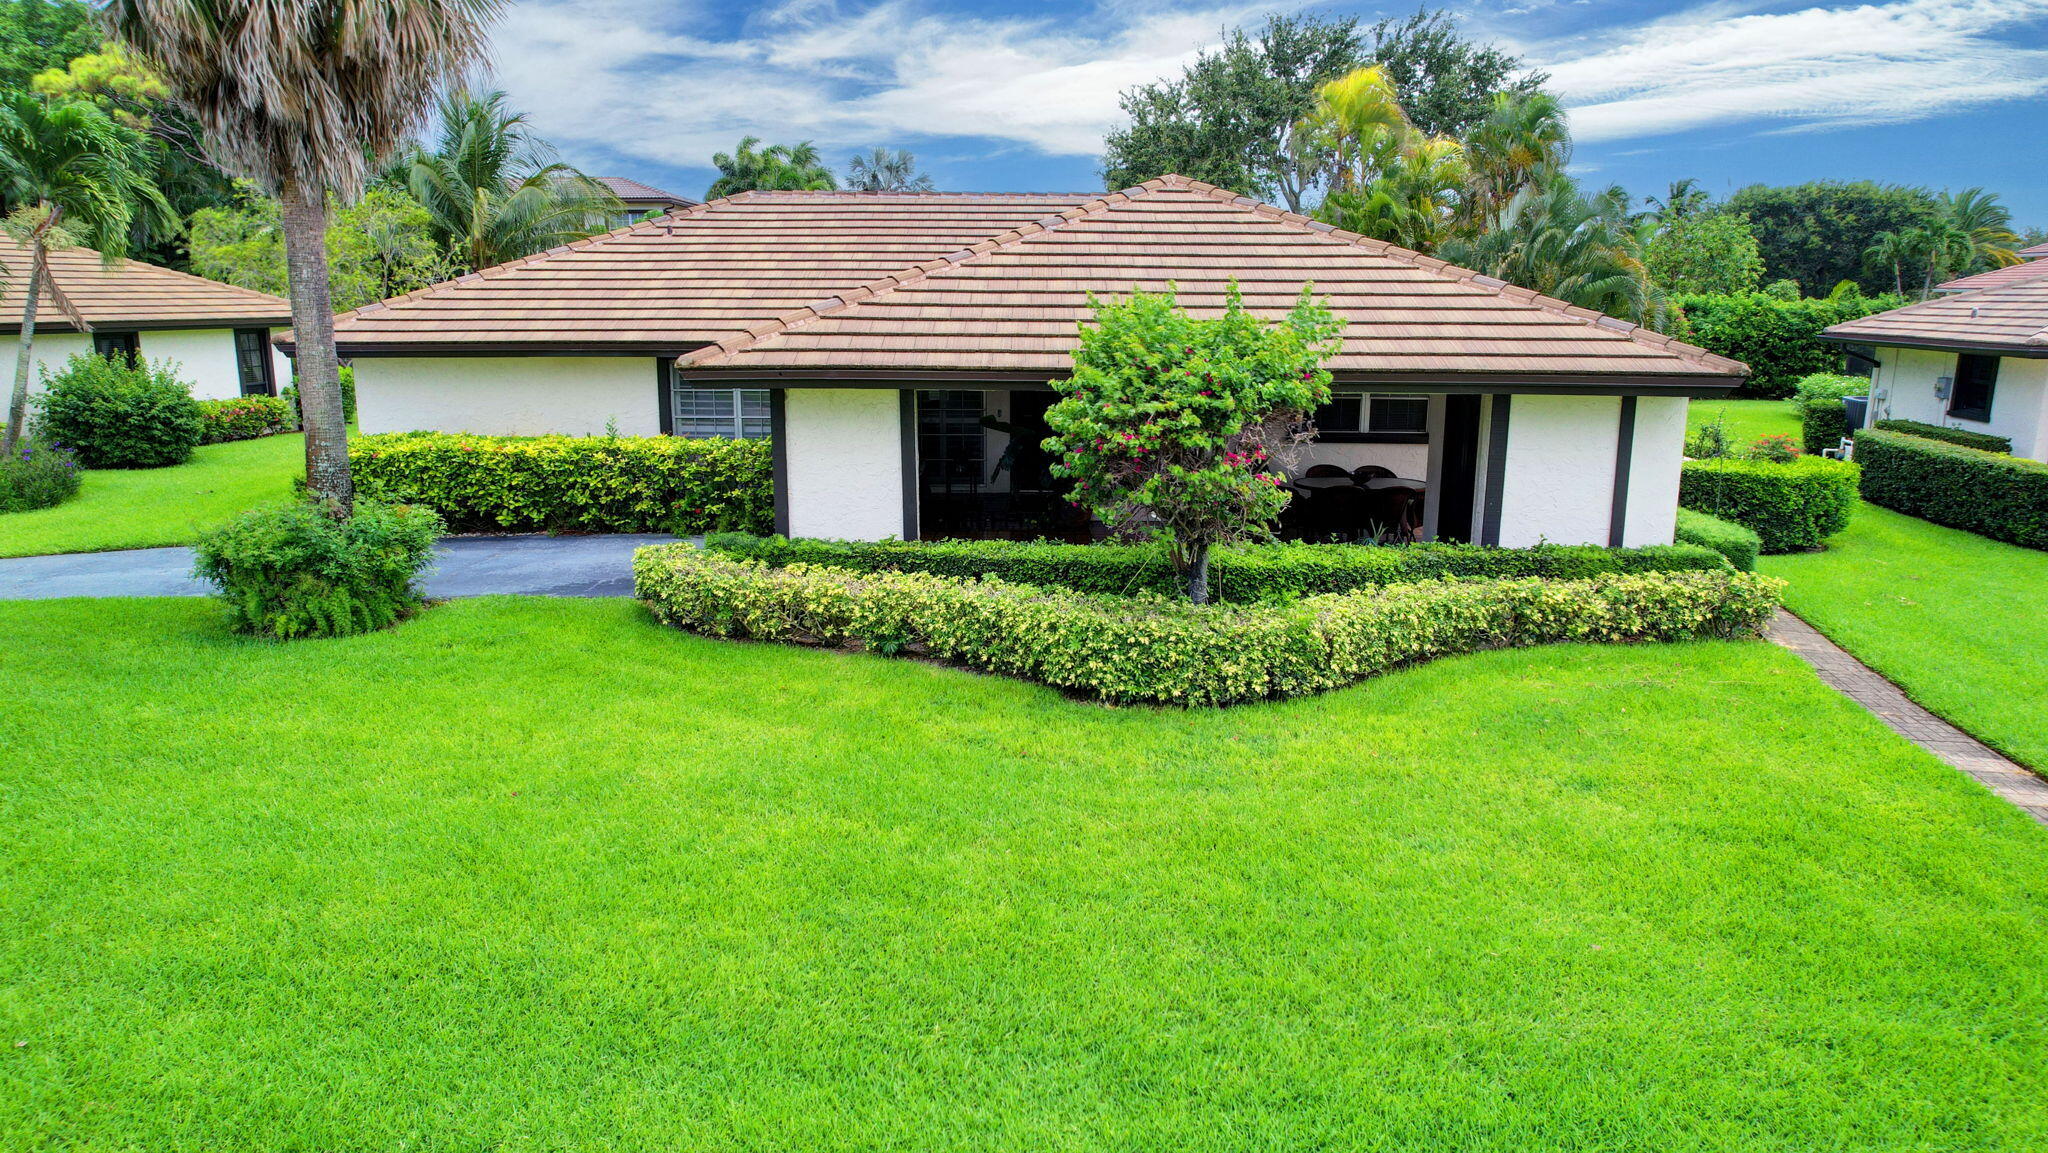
<point x="739" y="413"/>
<point x="252" y="362"/>
<point x="1358" y="417"/>
<point x="117" y="345"/>
<point x="1976" y="379"/>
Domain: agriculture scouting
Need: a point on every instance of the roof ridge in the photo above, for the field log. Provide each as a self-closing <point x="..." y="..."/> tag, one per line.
<point x="118" y="261"/>
<point x="830" y="305"/>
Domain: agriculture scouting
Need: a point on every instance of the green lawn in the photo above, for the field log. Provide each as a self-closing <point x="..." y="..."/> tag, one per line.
<point x="529" y="874"/>
<point x="1959" y="621"/>
<point x="145" y="507"/>
<point x="1744" y="420"/>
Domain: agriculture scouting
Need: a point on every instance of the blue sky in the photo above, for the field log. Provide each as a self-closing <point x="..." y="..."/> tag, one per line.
<point x="1016" y="95"/>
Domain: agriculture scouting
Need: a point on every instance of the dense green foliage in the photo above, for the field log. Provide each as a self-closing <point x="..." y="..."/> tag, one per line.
<point x="574" y="483"/>
<point x="245" y="418"/>
<point x="345" y="377"/>
<point x="1710" y="252"/>
<point x="145" y="508"/>
<point x="40" y="34"/>
<point x="1999" y="496"/>
<point x="37" y="475"/>
<point x="1982" y="441"/>
<point x="1167" y="423"/>
<point x="118" y="414"/>
<point x="296" y="570"/>
<point x="378" y="246"/>
<point x="1778" y="339"/>
<point x="776" y="168"/>
<point x="1957" y="620"/>
<point x="1790" y="506"/>
<point x="1243" y="573"/>
<point x="1815" y="234"/>
<point x="1738" y="544"/>
<point x="1817" y="398"/>
<point x="1162" y="651"/>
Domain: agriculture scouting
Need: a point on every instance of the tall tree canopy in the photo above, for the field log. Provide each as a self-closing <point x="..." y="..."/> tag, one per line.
<point x="776" y="168"/>
<point x="380" y="246"/>
<point x="1815" y="234"/>
<point x="1447" y="83"/>
<point x="37" y="35"/>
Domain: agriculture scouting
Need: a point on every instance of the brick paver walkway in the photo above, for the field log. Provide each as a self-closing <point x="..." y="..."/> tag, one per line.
<point x="1862" y="684"/>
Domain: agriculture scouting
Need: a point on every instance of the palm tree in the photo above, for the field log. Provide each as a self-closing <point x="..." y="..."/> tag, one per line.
<point x="495" y="191"/>
<point x="1557" y="240"/>
<point x="1978" y="215"/>
<point x="1355" y="130"/>
<point x="886" y="171"/>
<point x="1895" y="250"/>
<point x="1684" y="200"/>
<point x="305" y="97"/>
<point x="1521" y="143"/>
<point x="1414" y="200"/>
<point x="776" y="168"/>
<point x="70" y="174"/>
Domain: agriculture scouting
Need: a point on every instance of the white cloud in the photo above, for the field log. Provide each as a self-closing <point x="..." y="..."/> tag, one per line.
<point x="1814" y="68"/>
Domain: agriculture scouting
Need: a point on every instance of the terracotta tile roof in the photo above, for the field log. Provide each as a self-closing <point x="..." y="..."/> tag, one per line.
<point x="633" y="191"/>
<point x="796" y="283"/>
<point x="2010" y="274"/>
<point x="130" y="294"/>
<point x="2037" y="252"/>
<point x="2011" y="319"/>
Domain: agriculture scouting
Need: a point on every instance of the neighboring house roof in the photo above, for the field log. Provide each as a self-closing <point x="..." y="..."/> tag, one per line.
<point x="2010" y="320"/>
<point x="896" y="285"/>
<point x="2037" y="252"/>
<point x="634" y="192"/>
<point x="2010" y="274"/>
<point x="130" y="294"/>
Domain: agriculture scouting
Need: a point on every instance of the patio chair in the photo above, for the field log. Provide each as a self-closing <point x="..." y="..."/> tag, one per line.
<point x="1322" y="471"/>
<point x="1366" y="472"/>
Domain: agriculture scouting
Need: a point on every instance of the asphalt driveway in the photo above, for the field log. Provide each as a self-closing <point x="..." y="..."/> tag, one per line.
<point x="568" y="566"/>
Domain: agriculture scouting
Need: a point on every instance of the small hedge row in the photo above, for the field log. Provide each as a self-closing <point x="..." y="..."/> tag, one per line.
<point x="1148" y="649"/>
<point x="573" y="483"/>
<point x="1740" y="545"/>
<point x="2002" y="497"/>
<point x="1791" y="507"/>
<point x="245" y="418"/>
<point x="1823" y="418"/>
<point x="1981" y="441"/>
<point x="1243" y="574"/>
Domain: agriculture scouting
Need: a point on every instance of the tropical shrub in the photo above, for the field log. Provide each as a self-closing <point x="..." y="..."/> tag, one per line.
<point x="298" y="571"/>
<point x="1241" y="573"/>
<point x="1710" y="442"/>
<point x="575" y="483"/>
<point x="1981" y="441"/>
<point x="1823" y="421"/>
<point x="1777" y="448"/>
<point x="115" y="414"/>
<point x="1163" y="650"/>
<point x="1740" y="545"/>
<point x="1778" y="339"/>
<point x="1790" y="506"/>
<point x="245" y="418"/>
<point x="1991" y="494"/>
<point x="37" y="474"/>
<point x="347" y="374"/>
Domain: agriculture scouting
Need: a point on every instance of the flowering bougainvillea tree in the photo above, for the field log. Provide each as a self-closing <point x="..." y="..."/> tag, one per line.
<point x="1169" y="423"/>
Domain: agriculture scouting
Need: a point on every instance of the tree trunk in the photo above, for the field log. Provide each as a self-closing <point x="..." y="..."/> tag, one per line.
<point x="17" y="403"/>
<point x="305" y="253"/>
<point x="1198" y="572"/>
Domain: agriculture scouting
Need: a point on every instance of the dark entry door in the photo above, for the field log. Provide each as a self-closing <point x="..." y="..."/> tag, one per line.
<point x="951" y="462"/>
<point x="1461" y="466"/>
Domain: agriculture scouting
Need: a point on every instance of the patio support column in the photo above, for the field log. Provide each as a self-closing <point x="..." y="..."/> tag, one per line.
<point x="907" y="409"/>
<point x="1496" y="470"/>
<point x="778" y="456"/>
<point x="1624" y="450"/>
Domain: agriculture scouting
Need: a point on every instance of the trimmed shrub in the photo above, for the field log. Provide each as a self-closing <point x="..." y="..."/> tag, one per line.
<point x="1776" y="448"/>
<point x="114" y="414"/>
<point x="1242" y="574"/>
<point x="37" y="474"/>
<point x="1981" y="441"/>
<point x="296" y="571"/>
<point x="1818" y="401"/>
<point x="347" y="373"/>
<point x="1158" y="650"/>
<point x="1740" y="545"/>
<point x="575" y="483"/>
<point x="1991" y="494"/>
<point x="1790" y="506"/>
<point x="245" y="418"/>
<point x="1779" y="339"/>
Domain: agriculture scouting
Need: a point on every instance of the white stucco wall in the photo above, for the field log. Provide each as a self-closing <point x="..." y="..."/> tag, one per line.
<point x="1902" y="388"/>
<point x="51" y="350"/>
<point x="508" y="395"/>
<point x="1409" y="460"/>
<point x="1559" y="472"/>
<point x="844" y="454"/>
<point x="1653" y="467"/>
<point x="204" y="356"/>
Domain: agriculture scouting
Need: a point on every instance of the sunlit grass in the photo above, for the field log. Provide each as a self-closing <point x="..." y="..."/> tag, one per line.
<point x="147" y="507"/>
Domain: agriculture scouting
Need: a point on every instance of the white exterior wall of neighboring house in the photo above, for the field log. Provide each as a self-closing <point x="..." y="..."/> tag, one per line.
<point x="508" y="395"/>
<point x="844" y="455"/>
<point x="1558" y="482"/>
<point x="205" y="357"/>
<point x="1902" y="388"/>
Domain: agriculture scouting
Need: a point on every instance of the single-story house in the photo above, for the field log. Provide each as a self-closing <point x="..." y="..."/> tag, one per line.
<point x="1975" y="360"/>
<point x="640" y="201"/>
<point x="894" y="344"/>
<point x="2033" y="264"/>
<point x="218" y="335"/>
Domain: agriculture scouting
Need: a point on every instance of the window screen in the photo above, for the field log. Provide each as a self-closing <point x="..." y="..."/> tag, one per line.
<point x="1342" y="414"/>
<point x="252" y="362"/>
<point x="1976" y="379"/>
<point x="113" y="345"/>
<point x="1399" y="414"/>
<point x="738" y="413"/>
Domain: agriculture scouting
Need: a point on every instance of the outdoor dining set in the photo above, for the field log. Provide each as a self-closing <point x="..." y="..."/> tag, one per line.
<point x="1366" y="504"/>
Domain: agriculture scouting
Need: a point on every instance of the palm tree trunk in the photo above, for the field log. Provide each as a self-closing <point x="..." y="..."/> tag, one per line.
<point x="305" y="254"/>
<point x="17" y="403"/>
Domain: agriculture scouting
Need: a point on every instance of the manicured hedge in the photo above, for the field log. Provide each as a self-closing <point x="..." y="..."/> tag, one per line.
<point x="245" y="418"/>
<point x="1982" y="441"/>
<point x="1778" y="339"/>
<point x="1740" y="545"/>
<point x="1158" y="650"/>
<point x="1243" y="574"/>
<point x="1822" y="425"/>
<point x="2002" y="497"/>
<point x="1790" y="506"/>
<point x="575" y="483"/>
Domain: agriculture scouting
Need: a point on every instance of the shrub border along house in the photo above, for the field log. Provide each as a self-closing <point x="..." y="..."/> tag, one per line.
<point x="1990" y="494"/>
<point x="1152" y="649"/>
<point x="1981" y="441"/>
<point x="1739" y="544"/>
<point x="574" y="483"/>
<point x="1792" y="507"/>
<point x="245" y="418"/>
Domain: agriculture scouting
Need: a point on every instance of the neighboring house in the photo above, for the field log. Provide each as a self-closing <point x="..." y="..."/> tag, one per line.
<point x="640" y="200"/>
<point x="893" y="344"/>
<point x="217" y="334"/>
<point x="1975" y="360"/>
<point x="2033" y="265"/>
